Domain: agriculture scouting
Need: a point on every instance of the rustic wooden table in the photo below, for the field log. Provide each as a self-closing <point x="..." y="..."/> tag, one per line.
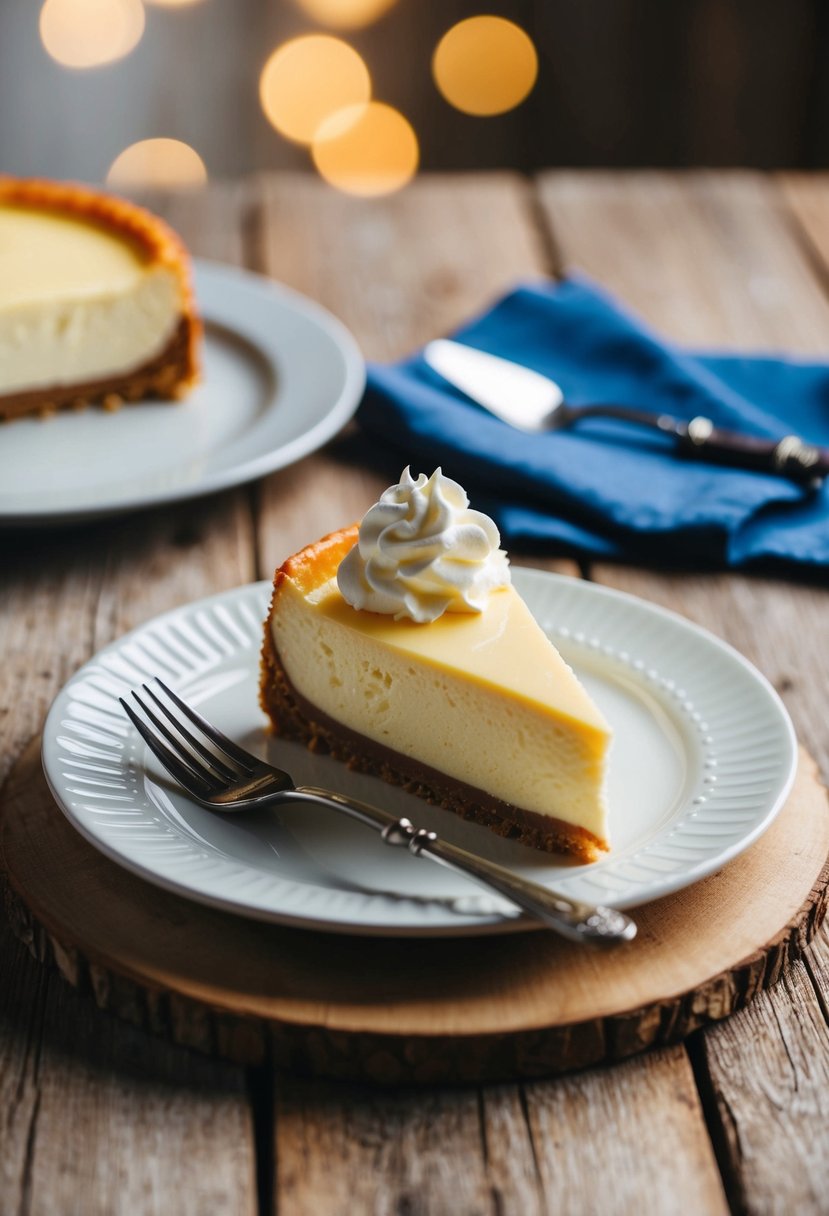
<point x="96" y="1117"/>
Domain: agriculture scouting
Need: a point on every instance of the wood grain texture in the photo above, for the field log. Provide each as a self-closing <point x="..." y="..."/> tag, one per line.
<point x="406" y="268"/>
<point x="440" y="1010"/>
<point x="22" y="995"/>
<point x="768" y="1099"/>
<point x="385" y="1152"/>
<point x="807" y="198"/>
<point x="503" y="1149"/>
<point x="95" y="1117"/>
<point x="675" y="1146"/>
<point x="705" y="258"/>
<point x="720" y="260"/>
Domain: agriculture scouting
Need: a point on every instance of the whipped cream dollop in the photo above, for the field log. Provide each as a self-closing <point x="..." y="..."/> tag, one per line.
<point x="421" y="552"/>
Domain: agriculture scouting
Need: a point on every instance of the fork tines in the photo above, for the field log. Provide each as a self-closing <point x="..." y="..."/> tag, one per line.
<point x="195" y="765"/>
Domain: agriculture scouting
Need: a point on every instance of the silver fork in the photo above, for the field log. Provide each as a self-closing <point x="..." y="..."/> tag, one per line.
<point x="225" y="777"/>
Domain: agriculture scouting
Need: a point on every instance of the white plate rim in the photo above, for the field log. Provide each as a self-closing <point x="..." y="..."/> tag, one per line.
<point x="528" y="581"/>
<point x="214" y="274"/>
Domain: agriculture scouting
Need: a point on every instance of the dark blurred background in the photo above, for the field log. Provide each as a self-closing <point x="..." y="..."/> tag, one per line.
<point x="620" y="83"/>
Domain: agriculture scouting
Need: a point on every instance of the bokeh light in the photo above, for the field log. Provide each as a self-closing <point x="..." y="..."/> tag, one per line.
<point x="368" y="149"/>
<point x="344" y="14"/>
<point x="307" y="80"/>
<point x="158" y="162"/>
<point x="485" y="65"/>
<point x="89" y="33"/>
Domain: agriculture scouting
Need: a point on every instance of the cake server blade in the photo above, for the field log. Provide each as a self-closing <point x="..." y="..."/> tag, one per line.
<point x="517" y="395"/>
<point x="531" y="402"/>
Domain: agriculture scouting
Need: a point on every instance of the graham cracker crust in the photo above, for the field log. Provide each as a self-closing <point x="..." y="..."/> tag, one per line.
<point x="292" y="717"/>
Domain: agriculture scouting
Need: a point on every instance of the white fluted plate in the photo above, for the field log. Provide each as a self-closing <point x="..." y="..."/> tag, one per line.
<point x="280" y="377"/>
<point x="703" y="756"/>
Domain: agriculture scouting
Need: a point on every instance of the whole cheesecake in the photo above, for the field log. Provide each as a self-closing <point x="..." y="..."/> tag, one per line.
<point x="468" y="705"/>
<point x="96" y="303"/>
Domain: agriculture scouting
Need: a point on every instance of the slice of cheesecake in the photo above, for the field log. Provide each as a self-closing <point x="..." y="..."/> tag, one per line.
<point x="95" y="301"/>
<point x="475" y="711"/>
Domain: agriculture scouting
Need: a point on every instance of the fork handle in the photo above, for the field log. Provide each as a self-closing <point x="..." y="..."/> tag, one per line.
<point x="787" y="457"/>
<point x="571" y="918"/>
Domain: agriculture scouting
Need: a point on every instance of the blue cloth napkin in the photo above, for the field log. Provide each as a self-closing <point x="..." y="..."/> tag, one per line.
<point x="604" y="488"/>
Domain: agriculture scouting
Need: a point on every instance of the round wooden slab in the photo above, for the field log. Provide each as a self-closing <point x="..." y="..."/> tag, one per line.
<point x="389" y="1010"/>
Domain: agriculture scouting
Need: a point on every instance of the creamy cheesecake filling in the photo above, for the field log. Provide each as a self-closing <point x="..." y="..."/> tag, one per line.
<point x="47" y="256"/>
<point x="73" y="341"/>
<point x="77" y="301"/>
<point x="397" y="683"/>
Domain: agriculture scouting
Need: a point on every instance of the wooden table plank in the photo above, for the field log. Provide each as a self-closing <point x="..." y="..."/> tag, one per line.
<point x="771" y="1096"/>
<point x="342" y="1148"/>
<point x="643" y="1140"/>
<point x="398" y="272"/>
<point x="100" y="1118"/>
<point x="706" y="258"/>
<point x="579" y="1146"/>
<point x="21" y="1012"/>
<point x="402" y="269"/>
<point x="807" y="198"/>
<point x="717" y="260"/>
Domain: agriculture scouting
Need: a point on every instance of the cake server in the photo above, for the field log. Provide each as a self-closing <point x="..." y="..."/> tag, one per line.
<point x="219" y="774"/>
<point x="531" y="402"/>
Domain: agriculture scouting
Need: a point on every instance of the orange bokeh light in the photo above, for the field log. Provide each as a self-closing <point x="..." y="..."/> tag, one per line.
<point x="158" y="162"/>
<point x="345" y="14"/>
<point x="307" y="80"/>
<point x="90" y="33"/>
<point x="367" y="150"/>
<point x="485" y="65"/>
